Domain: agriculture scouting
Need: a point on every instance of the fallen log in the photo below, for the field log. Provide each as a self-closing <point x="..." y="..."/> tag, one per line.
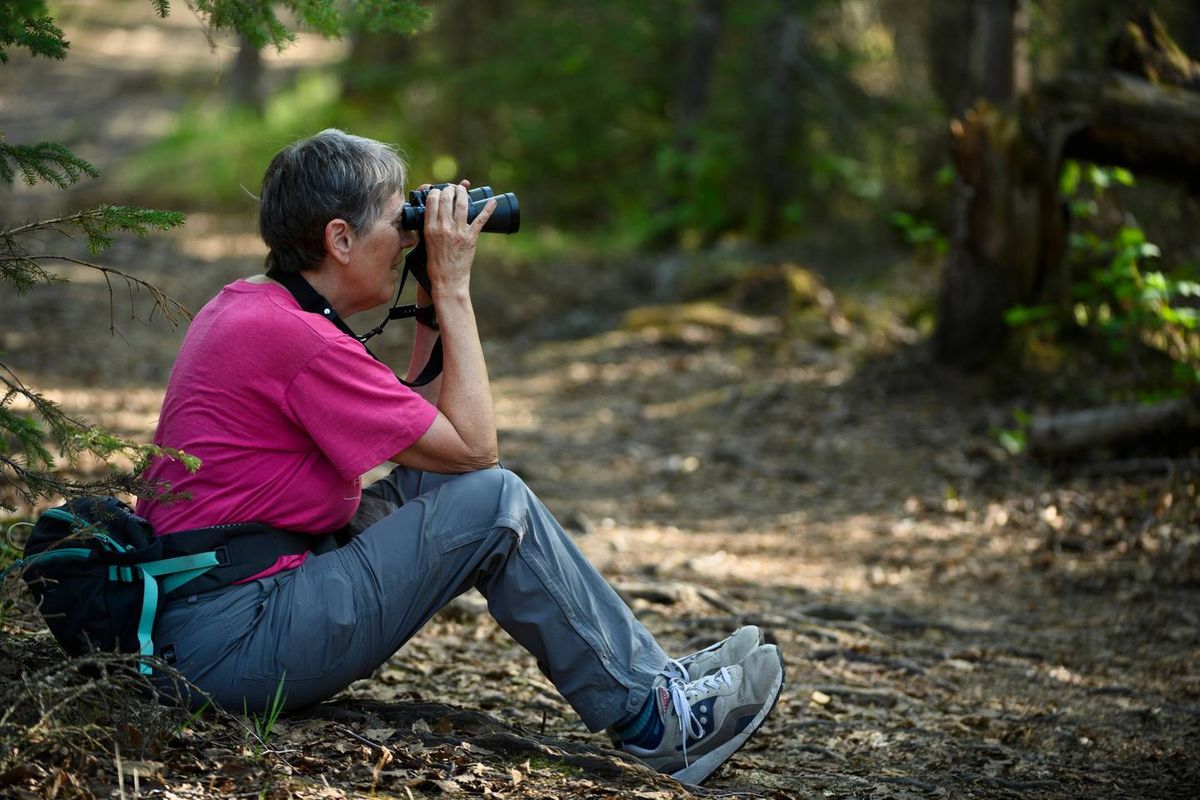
<point x="1116" y="118"/>
<point x="1076" y="431"/>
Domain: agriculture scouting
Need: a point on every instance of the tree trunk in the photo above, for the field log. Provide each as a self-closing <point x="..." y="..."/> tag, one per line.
<point x="978" y="49"/>
<point x="949" y="30"/>
<point x="1001" y="190"/>
<point x="779" y="112"/>
<point x="1008" y="227"/>
<point x="691" y="106"/>
<point x="695" y="84"/>
<point x="999" y="66"/>
<point x="246" y="78"/>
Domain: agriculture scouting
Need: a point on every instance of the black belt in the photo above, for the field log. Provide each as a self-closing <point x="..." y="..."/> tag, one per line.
<point x="243" y="550"/>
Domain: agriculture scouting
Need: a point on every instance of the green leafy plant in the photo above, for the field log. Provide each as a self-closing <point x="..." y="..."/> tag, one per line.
<point x="920" y="233"/>
<point x="1015" y="439"/>
<point x="1121" y="296"/>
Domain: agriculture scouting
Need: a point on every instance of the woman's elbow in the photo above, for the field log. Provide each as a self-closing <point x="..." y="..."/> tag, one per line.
<point x="484" y="460"/>
<point x="470" y="461"/>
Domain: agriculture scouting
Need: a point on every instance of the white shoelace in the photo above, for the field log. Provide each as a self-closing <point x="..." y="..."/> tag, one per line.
<point x="683" y="693"/>
<point x="676" y="665"/>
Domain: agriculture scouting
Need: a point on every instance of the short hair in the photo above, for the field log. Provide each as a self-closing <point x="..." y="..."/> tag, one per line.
<point x="332" y="175"/>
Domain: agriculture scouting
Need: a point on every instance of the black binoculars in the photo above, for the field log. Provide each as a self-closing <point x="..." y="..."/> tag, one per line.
<point x="505" y="219"/>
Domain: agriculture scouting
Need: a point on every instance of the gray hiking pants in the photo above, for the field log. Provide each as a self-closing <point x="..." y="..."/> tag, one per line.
<point x="427" y="539"/>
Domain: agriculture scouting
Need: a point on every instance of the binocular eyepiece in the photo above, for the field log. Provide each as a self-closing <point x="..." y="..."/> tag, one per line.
<point x="505" y="219"/>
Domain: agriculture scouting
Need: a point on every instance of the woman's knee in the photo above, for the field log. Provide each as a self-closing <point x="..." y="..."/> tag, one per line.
<point x="496" y="483"/>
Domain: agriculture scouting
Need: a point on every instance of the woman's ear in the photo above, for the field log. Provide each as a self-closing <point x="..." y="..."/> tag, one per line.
<point x="339" y="238"/>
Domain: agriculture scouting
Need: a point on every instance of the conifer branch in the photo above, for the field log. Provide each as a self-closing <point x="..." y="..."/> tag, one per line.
<point x="26" y="24"/>
<point x="49" y="162"/>
<point x="261" y="26"/>
<point x="24" y="273"/>
<point x="32" y="485"/>
<point x="97" y="223"/>
<point x="27" y="463"/>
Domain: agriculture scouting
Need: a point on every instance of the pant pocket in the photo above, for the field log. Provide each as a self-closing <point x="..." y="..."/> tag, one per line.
<point x="308" y="628"/>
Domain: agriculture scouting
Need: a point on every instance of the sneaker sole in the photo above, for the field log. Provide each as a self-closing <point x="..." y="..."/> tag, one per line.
<point x="698" y="771"/>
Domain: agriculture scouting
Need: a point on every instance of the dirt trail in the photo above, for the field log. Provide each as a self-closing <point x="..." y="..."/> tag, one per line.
<point x="955" y="623"/>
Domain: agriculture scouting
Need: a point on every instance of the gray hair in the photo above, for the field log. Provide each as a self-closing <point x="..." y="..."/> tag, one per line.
<point x="332" y="175"/>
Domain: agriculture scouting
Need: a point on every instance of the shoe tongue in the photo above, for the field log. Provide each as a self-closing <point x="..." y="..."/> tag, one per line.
<point x="664" y="702"/>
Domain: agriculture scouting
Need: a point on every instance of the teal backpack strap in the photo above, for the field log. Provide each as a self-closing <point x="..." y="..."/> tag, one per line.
<point x="48" y="555"/>
<point x="175" y="572"/>
<point x="179" y="570"/>
<point x="145" y="628"/>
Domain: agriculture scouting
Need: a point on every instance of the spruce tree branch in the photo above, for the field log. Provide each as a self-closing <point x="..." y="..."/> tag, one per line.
<point x="44" y="224"/>
<point x="31" y="484"/>
<point x="172" y="309"/>
<point x="47" y="409"/>
<point x="97" y="224"/>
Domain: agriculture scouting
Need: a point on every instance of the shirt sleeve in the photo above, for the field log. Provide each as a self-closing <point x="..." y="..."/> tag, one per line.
<point x="355" y="409"/>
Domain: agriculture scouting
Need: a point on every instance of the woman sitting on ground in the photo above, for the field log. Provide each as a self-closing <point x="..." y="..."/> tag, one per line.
<point x="286" y="411"/>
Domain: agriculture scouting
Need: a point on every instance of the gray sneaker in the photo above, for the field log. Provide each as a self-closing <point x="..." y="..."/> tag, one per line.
<point x="705" y="721"/>
<point x="724" y="653"/>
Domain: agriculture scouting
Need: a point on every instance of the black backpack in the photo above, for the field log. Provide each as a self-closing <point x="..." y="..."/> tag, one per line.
<point x="97" y="573"/>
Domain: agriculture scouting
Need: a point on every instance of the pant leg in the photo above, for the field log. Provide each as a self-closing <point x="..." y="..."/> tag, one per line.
<point x="342" y="614"/>
<point x="488" y="530"/>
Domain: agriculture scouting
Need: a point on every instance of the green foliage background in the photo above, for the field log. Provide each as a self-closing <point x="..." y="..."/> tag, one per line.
<point x="576" y="107"/>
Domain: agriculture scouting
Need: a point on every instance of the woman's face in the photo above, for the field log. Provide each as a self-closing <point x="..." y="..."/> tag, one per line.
<point x="376" y="258"/>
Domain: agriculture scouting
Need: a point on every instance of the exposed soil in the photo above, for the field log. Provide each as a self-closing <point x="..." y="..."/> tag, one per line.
<point x="956" y="622"/>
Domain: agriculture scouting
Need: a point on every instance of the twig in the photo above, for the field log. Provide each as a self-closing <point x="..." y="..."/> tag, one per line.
<point x="819" y="750"/>
<point x="900" y="664"/>
<point x="866" y="695"/>
<point x="1140" y="466"/>
<point x="120" y="771"/>
<point x="170" y="306"/>
<point x="363" y="739"/>
<point x="1004" y="783"/>
<point x="904" y="780"/>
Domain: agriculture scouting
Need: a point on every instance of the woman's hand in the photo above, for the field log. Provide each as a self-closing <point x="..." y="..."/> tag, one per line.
<point x="450" y="240"/>
<point x="463" y="436"/>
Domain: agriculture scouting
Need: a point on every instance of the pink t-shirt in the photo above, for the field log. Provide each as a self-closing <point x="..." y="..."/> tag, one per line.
<point x="284" y="411"/>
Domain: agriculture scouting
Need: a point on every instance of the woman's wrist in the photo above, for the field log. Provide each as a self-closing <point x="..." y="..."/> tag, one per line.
<point x="451" y="293"/>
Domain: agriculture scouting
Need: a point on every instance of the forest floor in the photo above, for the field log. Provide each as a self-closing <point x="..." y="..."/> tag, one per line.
<point x="956" y="621"/>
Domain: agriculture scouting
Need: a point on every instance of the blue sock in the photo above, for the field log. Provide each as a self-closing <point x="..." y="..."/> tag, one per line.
<point x="643" y="729"/>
